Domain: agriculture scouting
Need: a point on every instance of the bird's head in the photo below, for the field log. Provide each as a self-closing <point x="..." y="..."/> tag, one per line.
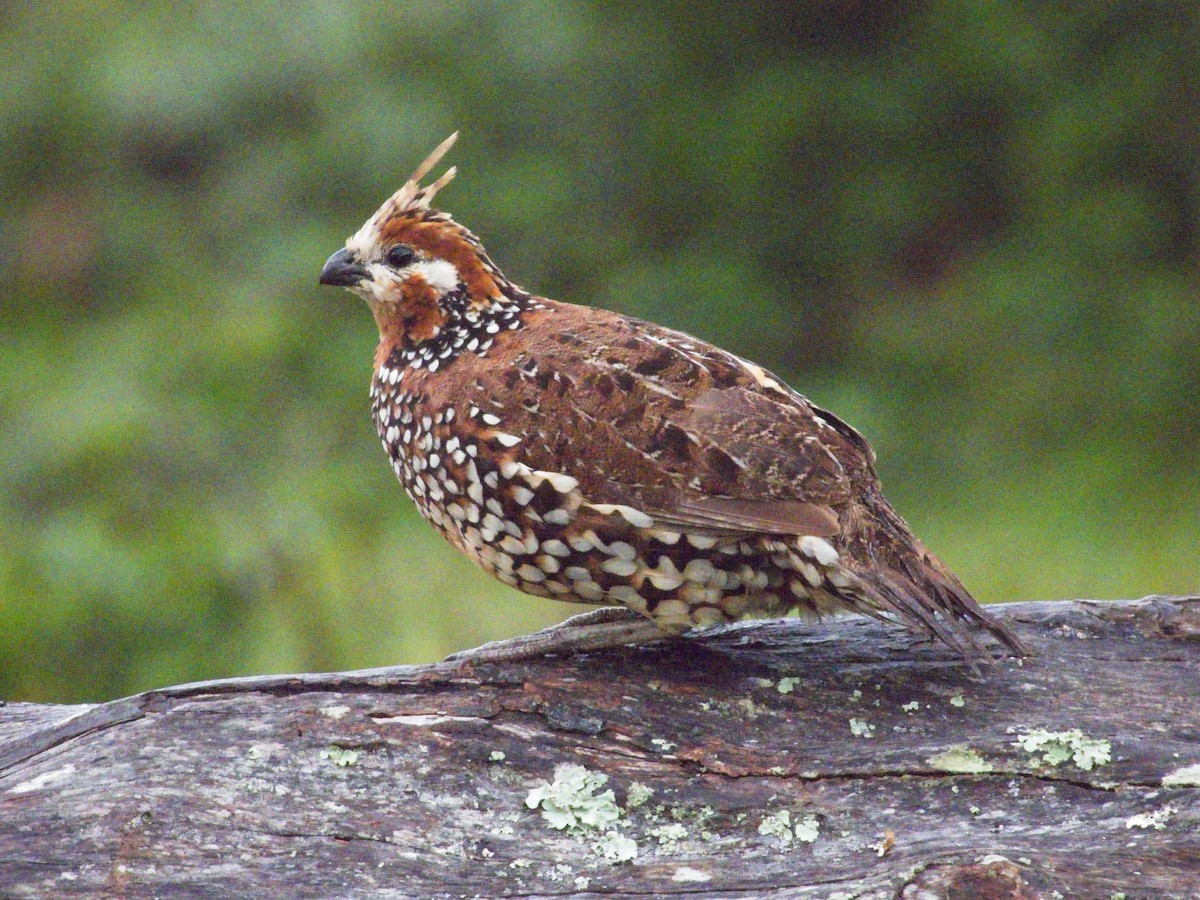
<point x="415" y="266"/>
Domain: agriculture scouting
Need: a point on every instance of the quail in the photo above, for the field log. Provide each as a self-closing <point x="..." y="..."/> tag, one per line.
<point x="594" y="458"/>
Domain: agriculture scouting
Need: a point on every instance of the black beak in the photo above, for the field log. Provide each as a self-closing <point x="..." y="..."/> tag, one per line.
<point x="341" y="270"/>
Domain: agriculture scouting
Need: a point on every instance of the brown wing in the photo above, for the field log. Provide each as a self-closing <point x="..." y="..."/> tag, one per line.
<point x="689" y="434"/>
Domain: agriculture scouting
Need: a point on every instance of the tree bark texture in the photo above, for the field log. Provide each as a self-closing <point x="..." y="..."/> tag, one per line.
<point x="772" y="759"/>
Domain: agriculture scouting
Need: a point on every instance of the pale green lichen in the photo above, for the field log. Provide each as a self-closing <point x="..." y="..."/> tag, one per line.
<point x="777" y="825"/>
<point x="662" y="745"/>
<point x="638" y="794"/>
<point x="698" y="816"/>
<point x="668" y="836"/>
<point x="861" y="728"/>
<point x="911" y="706"/>
<point x="957" y="700"/>
<point x="1188" y="776"/>
<point x="571" y="803"/>
<point x="749" y="708"/>
<point x="340" y="756"/>
<point x="254" y="753"/>
<point x="496" y="756"/>
<point x="1156" y="820"/>
<point x="808" y="829"/>
<point x="962" y="760"/>
<point x="1056" y="747"/>
<point x="616" y="847"/>
<point x="787" y="685"/>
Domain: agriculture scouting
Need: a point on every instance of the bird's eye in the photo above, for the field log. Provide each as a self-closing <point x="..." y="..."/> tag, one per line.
<point x="400" y="256"/>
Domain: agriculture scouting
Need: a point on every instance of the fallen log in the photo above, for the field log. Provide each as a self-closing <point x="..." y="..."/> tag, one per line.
<point x="771" y="759"/>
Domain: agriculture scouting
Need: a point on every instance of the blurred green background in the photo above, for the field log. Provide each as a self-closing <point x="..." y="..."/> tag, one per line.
<point x="970" y="228"/>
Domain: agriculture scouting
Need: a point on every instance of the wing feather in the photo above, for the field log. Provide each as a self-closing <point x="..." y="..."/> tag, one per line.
<point x="694" y="437"/>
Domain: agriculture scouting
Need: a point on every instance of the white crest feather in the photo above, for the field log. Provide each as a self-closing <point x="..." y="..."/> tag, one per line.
<point x="410" y="197"/>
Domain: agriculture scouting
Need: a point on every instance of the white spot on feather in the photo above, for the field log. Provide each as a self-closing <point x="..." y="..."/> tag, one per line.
<point x="760" y="375"/>
<point x="588" y="590"/>
<point x="628" y="596"/>
<point x="513" y="546"/>
<point x="531" y="573"/>
<point x="634" y="517"/>
<point x="819" y="549"/>
<point x="622" y="550"/>
<point x="700" y="571"/>
<point x="564" y="484"/>
<point x="665" y="581"/>
<point x="620" y="567"/>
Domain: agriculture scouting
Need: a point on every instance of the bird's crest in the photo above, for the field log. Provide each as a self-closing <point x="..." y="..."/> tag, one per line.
<point x="412" y="197"/>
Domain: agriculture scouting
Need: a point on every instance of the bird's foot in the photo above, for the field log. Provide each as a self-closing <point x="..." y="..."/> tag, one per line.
<point x="597" y="629"/>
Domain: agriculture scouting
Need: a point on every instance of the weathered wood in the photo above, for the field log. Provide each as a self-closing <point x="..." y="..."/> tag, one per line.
<point x="229" y="788"/>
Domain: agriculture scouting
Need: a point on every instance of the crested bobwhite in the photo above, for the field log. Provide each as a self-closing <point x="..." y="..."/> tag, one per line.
<point x="591" y="457"/>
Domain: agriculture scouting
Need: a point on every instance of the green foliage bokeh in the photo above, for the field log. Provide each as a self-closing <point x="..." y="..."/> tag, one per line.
<point x="969" y="228"/>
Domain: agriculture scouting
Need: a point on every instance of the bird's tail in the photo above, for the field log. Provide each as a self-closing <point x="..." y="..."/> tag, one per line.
<point x="908" y="583"/>
<point x="927" y="597"/>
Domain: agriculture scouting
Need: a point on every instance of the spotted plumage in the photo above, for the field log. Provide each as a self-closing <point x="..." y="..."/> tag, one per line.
<point x="594" y="458"/>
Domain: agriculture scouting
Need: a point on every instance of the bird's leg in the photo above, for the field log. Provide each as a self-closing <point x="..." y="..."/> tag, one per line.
<point x="597" y="629"/>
